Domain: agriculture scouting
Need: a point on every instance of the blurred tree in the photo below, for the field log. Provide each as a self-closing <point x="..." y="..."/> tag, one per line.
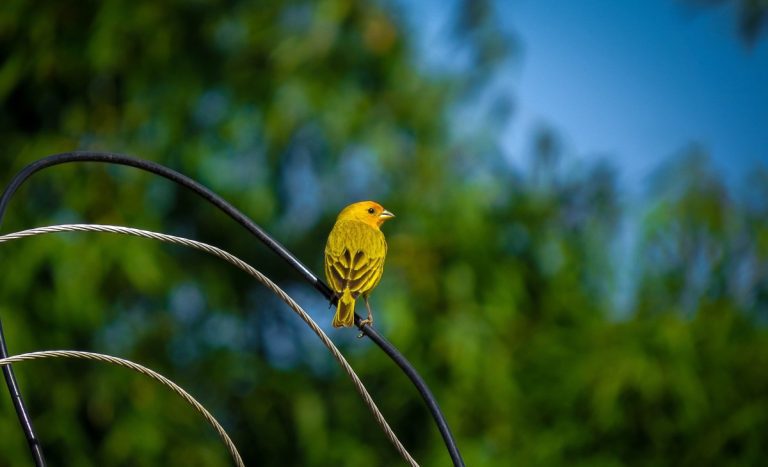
<point x="500" y="283"/>
<point x="291" y="109"/>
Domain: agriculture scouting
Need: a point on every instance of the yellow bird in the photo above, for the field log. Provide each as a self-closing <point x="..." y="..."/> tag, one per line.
<point x="354" y="257"/>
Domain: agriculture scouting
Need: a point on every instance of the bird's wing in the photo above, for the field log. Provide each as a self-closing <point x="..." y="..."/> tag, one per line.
<point x="354" y="257"/>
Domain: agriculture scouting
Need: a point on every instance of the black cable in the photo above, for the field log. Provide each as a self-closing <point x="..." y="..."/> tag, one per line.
<point x="21" y="410"/>
<point x="244" y="221"/>
<point x="426" y="394"/>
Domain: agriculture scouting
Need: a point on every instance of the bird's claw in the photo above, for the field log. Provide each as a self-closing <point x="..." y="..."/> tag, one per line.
<point x="364" y="322"/>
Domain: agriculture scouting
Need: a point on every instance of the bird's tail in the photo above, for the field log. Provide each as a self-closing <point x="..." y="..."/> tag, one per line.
<point x="345" y="310"/>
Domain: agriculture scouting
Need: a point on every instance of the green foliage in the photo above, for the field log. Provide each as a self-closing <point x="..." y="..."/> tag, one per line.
<point x="501" y="285"/>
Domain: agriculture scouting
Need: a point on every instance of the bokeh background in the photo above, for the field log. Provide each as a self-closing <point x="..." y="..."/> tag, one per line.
<point x="579" y="266"/>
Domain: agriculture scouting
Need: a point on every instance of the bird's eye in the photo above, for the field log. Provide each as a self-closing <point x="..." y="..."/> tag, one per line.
<point x="371" y="210"/>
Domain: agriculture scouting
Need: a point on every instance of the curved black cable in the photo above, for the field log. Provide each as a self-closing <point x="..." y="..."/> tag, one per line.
<point x="244" y="221"/>
<point x="21" y="410"/>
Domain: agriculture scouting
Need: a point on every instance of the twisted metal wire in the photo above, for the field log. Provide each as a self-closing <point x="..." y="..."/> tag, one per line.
<point x="262" y="236"/>
<point x="210" y="249"/>
<point x="140" y="369"/>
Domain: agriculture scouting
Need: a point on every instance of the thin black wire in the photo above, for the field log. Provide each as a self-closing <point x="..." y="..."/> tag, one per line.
<point x="21" y="410"/>
<point x="244" y="221"/>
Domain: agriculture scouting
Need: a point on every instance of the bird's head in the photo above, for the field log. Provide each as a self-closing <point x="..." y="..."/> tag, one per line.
<point x="370" y="212"/>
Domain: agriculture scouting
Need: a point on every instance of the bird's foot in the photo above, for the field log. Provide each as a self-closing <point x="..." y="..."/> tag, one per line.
<point x="364" y="322"/>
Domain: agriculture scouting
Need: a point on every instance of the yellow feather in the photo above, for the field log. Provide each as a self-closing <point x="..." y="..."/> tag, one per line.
<point x="345" y="311"/>
<point x="354" y="256"/>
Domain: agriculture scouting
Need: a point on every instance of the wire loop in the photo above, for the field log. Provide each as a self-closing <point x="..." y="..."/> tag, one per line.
<point x="139" y="369"/>
<point x="248" y="224"/>
<point x="210" y="249"/>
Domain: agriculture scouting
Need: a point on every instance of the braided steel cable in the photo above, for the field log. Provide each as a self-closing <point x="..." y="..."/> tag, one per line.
<point x="139" y="369"/>
<point x="378" y="416"/>
<point x="152" y="167"/>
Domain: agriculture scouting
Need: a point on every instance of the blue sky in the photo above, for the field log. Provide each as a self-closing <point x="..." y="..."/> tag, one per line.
<point x="635" y="82"/>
